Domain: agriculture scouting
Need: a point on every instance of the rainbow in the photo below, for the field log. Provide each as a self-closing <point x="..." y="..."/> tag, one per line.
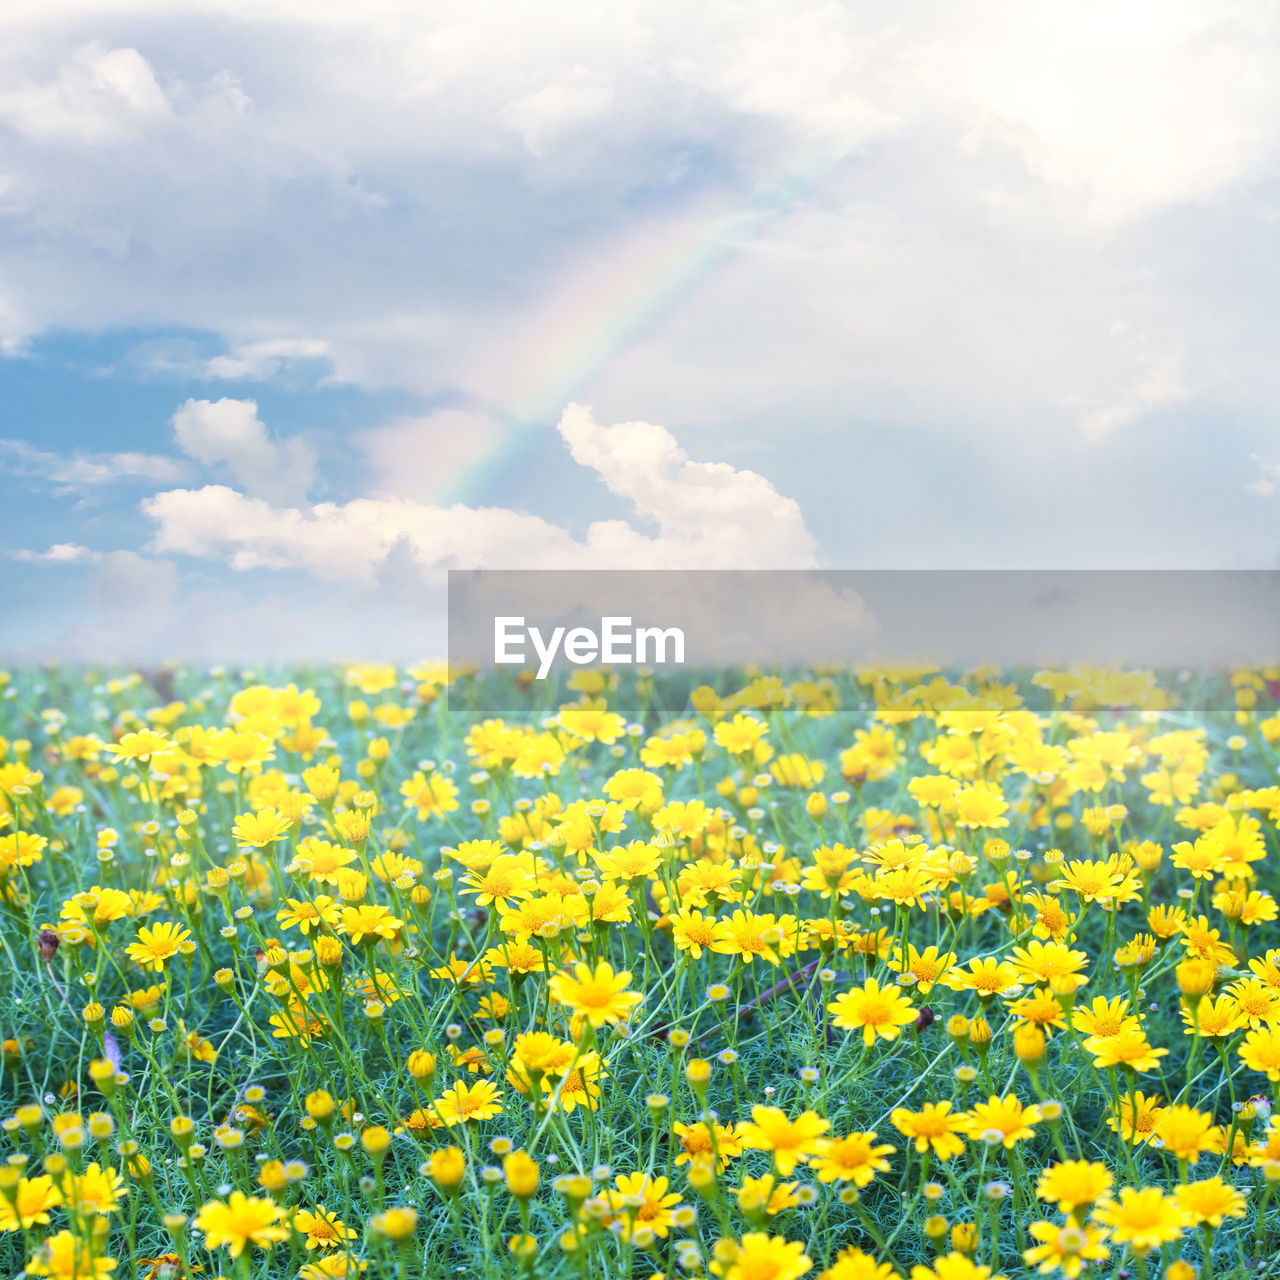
<point x="581" y="343"/>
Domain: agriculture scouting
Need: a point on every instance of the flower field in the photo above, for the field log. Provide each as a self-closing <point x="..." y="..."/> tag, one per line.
<point x="854" y="974"/>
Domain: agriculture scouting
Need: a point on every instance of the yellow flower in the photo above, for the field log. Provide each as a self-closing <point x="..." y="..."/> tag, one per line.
<point x="324" y="1230"/>
<point x="749" y="935"/>
<point x="759" y="1256"/>
<point x="1004" y="1117"/>
<point x="1039" y="1011"/>
<point x="93" y="1190"/>
<point x="463" y="1102"/>
<point x="954" y="1266"/>
<point x="980" y="805"/>
<point x="1104" y="1018"/>
<point x="1143" y="1218"/>
<point x="1090" y="881"/>
<point x="796" y="770"/>
<point x="1204" y="942"/>
<point x="325" y="859"/>
<point x="985" y="975"/>
<point x="1044" y="963"/>
<point x="580" y="1087"/>
<point x="1139" y="1115"/>
<point x="397" y="1223"/>
<point x="257" y="830"/>
<point x="765" y="1197"/>
<point x="853" y="1264"/>
<point x="1137" y="953"/>
<point x="693" y="932"/>
<point x="431" y="797"/>
<point x="1128" y="1049"/>
<point x="740" y="735"/>
<point x="1257" y="1003"/>
<point x="157" y="945"/>
<point x="447" y="1166"/>
<point x="1261" y="1052"/>
<point x="1212" y="1018"/>
<point x="370" y="920"/>
<point x="1184" y="1132"/>
<point x="535" y="1054"/>
<point x="634" y="861"/>
<point x="297" y="913"/>
<point x="855" y="1159"/>
<point x="1209" y="1201"/>
<point x="140" y="746"/>
<point x="240" y="1221"/>
<point x="503" y="879"/>
<point x="792" y="1142"/>
<point x="69" y="1257"/>
<point x="696" y="1142"/>
<point x="1074" y="1184"/>
<point x="934" y="1127"/>
<point x="879" y="1012"/>
<point x="927" y="967"/>
<point x="520" y="1170"/>
<point x="32" y="1200"/>
<point x="1268" y="967"/>
<point x="1028" y="1043"/>
<point x="641" y="1201"/>
<point x="1067" y="1249"/>
<point x="636" y="790"/>
<point x="598" y="995"/>
<point x="903" y="886"/>
<point x="1203" y="860"/>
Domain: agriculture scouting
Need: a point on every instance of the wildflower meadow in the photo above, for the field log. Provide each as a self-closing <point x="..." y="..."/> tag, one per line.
<point x="846" y="974"/>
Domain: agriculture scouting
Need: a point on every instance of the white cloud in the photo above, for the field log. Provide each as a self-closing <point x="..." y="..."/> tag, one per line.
<point x="258" y="361"/>
<point x="1156" y="381"/>
<point x="58" y="553"/>
<point x="710" y="503"/>
<point x="229" y="433"/>
<point x="1164" y="103"/>
<point x="1267" y="481"/>
<point x="582" y="96"/>
<point x="707" y="515"/>
<point x="98" y="94"/>
<point x="1001" y="230"/>
<point x="85" y="471"/>
<point x="976" y="175"/>
<point x="343" y="541"/>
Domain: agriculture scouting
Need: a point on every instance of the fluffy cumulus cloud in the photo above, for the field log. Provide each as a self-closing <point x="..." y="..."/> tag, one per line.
<point x="96" y="94"/>
<point x="228" y="433"/>
<point x="702" y="515"/>
<point x="258" y="572"/>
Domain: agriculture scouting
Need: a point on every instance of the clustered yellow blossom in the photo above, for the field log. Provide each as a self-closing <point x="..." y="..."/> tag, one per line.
<point x="889" y="972"/>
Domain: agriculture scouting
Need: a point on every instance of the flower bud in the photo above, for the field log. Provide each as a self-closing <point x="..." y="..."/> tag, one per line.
<point x="1028" y="1044"/>
<point x="1196" y="977"/>
<point x="521" y="1172"/>
<point x="446" y="1168"/>
<point x="396" y="1224"/>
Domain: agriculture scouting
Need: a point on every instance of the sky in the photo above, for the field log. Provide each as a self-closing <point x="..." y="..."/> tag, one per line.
<point x="302" y="304"/>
